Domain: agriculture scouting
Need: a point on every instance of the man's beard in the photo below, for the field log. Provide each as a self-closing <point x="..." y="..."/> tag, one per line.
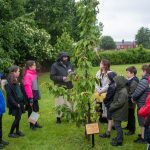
<point x="64" y="62"/>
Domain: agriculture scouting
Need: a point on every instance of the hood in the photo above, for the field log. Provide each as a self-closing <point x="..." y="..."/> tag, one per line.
<point x="120" y="82"/>
<point x="61" y="55"/>
<point x="31" y="72"/>
<point x="111" y="76"/>
<point x="136" y="79"/>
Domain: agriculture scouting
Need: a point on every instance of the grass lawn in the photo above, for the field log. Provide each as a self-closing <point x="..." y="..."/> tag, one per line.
<point x="65" y="136"/>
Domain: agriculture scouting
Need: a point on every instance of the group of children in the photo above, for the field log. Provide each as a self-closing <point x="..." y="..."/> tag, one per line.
<point x="21" y="95"/>
<point x="122" y="96"/>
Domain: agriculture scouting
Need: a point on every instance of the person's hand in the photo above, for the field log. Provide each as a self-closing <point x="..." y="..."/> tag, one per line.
<point x="99" y="93"/>
<point x="18" y="105"/>
<point x="65" y="79"/>
<point x="132" y="101"/>
<point x="31" y="104"/>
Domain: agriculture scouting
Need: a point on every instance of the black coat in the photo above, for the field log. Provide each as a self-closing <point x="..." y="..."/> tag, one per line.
<point x="58" y="71"/>
<point x="141" y="92"/>
<point x="110" y="94"/>
<point x="13" y="100"/>
<point x="131" y="86"/>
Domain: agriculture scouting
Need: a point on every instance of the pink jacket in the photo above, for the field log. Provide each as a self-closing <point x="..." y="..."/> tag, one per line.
<point x="31" y="84"/>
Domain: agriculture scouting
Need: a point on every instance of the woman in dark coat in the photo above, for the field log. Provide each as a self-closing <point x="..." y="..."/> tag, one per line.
<point x="15" y="100"/>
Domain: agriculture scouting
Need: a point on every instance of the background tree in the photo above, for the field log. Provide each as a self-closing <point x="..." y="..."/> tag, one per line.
<point x="143" y="37"/>
<point x="5" y="60"/>
<point x="65" y="43"/>
<point x="23" y="40"/>
<point x="107" y="43"/>
<point x="10" y="9"/>
<point x="54" y="16"/>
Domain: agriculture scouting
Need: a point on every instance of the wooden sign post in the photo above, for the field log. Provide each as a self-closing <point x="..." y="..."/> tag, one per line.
<point x="91" y="129"/>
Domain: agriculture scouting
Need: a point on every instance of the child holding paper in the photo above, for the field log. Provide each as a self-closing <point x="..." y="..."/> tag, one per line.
<point x="31" y="88"/>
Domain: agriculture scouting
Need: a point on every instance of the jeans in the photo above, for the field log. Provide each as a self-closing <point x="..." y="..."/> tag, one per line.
<point x="118" y="128"/>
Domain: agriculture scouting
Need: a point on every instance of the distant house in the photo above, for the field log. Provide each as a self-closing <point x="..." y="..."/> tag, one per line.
<point x="125" y="45"/>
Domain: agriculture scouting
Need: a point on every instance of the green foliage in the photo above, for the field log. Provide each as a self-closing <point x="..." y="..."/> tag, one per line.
<point x="54" y="16"/>
<point x="107" y="43"/>
<point x="5" y="60"/>
<point x="143" y="37"/>
<point x="137" y="55"/>
<point x="23" y="40"/>
<point x="10" y="9"/>
<point x="84" y="83"/>
<point x="65" y="43"/>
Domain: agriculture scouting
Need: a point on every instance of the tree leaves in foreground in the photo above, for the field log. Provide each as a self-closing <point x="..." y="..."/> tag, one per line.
<point x="84" y="83"/>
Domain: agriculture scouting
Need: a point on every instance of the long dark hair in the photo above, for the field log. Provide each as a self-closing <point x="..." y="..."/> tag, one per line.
<point x="11" y="78"/>
<point x="106" y="64"/>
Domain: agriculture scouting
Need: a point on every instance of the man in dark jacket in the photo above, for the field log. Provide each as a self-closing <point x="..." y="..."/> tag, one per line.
<point x="131" y="86"/>
<point x="119" y="108"/>
<point x="59" y="72"/>
<point x="139" y="97"/>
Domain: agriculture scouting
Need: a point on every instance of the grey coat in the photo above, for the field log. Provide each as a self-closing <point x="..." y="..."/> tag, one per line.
<point x="141" y="92"/>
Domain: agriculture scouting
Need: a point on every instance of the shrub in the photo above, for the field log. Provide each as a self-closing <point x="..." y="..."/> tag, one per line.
<point x="137" y="55"/>
<point x="5" y="61"/>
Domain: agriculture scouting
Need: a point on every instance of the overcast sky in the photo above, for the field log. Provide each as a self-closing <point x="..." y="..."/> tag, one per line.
<point x="123" y="18"/>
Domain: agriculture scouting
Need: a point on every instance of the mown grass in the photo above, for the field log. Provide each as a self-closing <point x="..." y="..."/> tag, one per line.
<point x="65" y="136"/>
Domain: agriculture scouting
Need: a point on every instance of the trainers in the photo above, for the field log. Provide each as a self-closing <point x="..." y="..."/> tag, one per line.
<point x="2" y="146"/>
<point x="104" y="135"/>
<point x="19" y="133"/>
<point x="33" y="128"/>
<point x="129" y="133"/>
<point x="13" y="135"/>
<point x="58" y="120"/>
<point x="38" y="126"/>
<point x="114" y="139"/>
<point x="140" y="141"/>
<point x="4" y="142"/>
<point x="115" y="143"/>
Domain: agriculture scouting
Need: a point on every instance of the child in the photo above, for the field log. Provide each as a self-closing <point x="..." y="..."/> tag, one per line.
<point x="131" y="86"/>
<point x="102" y="87"/>
<point x="31" y="88"/>
<point x="107" y="101"/>
<point x="145" y="112"/>
<point x="139" y="97"/>
<point x="15" y="100"/>
<point x="2" y="110"/>
<point x="119" y="108"/>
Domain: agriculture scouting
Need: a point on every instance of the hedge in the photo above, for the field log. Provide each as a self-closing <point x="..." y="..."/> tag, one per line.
<point x="130" y="56"/>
